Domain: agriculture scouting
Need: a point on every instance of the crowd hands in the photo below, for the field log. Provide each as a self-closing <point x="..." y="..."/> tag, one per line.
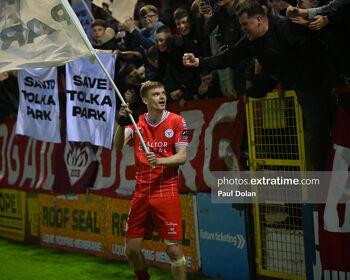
<point x="151" y="45"/>
<point x="216" y="48"/>
<point x="164" y="40"/>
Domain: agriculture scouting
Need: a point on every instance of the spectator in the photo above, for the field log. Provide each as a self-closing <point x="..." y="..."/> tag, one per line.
<point x="133" y="77"/>
<point x="191" y="42"/>
<point x="293" y="55"/>
<point x="103" y="36"/>
<point x="170" y="69"/>
<point x="149" y="20"/>
<point x="229" y="32"/>
<point x="9" y="94"/>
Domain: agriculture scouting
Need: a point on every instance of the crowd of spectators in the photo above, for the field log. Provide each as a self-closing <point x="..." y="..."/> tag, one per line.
<point x="213" y="48"/>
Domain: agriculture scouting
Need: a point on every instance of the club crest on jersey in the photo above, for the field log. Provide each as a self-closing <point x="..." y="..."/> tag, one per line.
<point x="184" y="123"/>
<point x="169" y="133"/>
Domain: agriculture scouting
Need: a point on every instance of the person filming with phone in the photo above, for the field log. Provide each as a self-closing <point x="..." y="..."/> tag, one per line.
<point x="229" y="32"/>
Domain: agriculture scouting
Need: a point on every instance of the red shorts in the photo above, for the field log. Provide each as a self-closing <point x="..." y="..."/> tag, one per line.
<point x="163" y="213"/>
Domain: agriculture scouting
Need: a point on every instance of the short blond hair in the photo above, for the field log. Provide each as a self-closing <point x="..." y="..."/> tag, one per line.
<point x="149" y="85"/>
<point x="147" y="9"/>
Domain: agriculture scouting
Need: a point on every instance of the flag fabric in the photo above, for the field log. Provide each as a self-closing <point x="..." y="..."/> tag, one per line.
<point x="122" y="9"/>
<point x="36" y="33"/>
<point x="334" y="219"/>
<point x="38" y="111"/>
<point x="91" y="101"/>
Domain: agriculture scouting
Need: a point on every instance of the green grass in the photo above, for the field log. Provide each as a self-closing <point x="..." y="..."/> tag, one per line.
<point x="20" y="261"/>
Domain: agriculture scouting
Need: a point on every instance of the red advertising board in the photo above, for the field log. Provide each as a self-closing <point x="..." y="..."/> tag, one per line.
<point x="216" y="130"/>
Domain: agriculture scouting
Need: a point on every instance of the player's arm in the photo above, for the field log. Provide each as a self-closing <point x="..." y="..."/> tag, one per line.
<point x="179" y="158"/>
<point x="122" y="135"/>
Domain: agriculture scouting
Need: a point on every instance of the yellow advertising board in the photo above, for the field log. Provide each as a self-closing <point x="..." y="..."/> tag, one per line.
<point x="12" y="214"/>
<point x="154" y="250"/>
<point x="73" y="222"/>
<point x="32" y="218"/>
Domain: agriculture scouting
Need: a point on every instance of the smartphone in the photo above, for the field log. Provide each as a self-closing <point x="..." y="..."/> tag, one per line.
<point x="204" y="3"/>
<point x="205" y="6"/>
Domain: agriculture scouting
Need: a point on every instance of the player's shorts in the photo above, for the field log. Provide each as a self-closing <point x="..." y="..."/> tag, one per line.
<point x="163" y="213"/>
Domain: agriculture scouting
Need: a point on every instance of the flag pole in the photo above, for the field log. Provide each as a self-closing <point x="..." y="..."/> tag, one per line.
<point x="94" y="52"/>
<point x="87" y="9"/>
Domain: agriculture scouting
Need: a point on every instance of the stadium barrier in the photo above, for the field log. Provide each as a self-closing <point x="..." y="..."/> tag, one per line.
<point x="276" y="142"/>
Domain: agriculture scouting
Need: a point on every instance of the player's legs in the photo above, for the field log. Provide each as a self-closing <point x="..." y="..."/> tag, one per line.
<point x="133" y="253"/>
<point x="177" y="258"/>
<point x="166" y="216"/>
<point x="138" y="226"/>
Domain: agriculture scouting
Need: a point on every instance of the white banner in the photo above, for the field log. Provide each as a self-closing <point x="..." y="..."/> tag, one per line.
<point x="39" y="111"/>
<point x="36" y="33"/>
<point x="91" y="101"/>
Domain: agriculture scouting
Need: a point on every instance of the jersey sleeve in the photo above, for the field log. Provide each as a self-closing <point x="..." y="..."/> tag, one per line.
<point x="181" y="134"/>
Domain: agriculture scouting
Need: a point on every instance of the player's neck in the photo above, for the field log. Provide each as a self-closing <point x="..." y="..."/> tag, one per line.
<point x="156" y="115"/>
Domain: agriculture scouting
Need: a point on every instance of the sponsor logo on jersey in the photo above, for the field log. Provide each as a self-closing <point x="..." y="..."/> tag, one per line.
<point x="169" y="133"/>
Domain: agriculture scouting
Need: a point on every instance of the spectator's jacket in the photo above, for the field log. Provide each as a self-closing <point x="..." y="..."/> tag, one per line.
<point x="287" y="52"/>
<point x="171" y="71"/>
<point x="228" y="24"/>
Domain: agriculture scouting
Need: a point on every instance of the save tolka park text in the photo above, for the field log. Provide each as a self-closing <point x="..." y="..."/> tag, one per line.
<point x="40" y="99"/>
<point x="89" y="98"/>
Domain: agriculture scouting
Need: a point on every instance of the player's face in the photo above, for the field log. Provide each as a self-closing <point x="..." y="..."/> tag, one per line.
<point x="156" y="99"/>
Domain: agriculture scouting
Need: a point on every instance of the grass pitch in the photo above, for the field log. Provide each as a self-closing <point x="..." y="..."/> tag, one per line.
<point x="20" y="261"/>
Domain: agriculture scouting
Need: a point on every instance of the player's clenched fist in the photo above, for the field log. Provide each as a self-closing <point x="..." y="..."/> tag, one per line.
<point x="189" y="60"/>
<point x="151" y="158"/>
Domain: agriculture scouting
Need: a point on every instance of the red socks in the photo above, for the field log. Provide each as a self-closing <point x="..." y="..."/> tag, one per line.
<point x="142" y="274"/>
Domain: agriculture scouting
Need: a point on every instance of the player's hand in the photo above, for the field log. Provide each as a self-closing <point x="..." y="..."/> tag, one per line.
<point x="189" y="60"/>
<point x="319" y="23"/>
<point x="151" y="158"/>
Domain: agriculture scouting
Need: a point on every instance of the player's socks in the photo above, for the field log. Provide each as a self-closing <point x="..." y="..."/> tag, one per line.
<point x="142" y="274"/>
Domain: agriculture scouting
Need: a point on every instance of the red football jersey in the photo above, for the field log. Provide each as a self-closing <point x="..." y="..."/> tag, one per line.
<point x="161" y="137"/>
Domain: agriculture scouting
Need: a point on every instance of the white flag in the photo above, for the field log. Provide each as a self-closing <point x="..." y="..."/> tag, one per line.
<point x="37" y="33"/>
<point x="39" y="112"/>
<point x="90" y="101"/>
<point x="100" y="3"/>
<point x="123" y="9"/>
